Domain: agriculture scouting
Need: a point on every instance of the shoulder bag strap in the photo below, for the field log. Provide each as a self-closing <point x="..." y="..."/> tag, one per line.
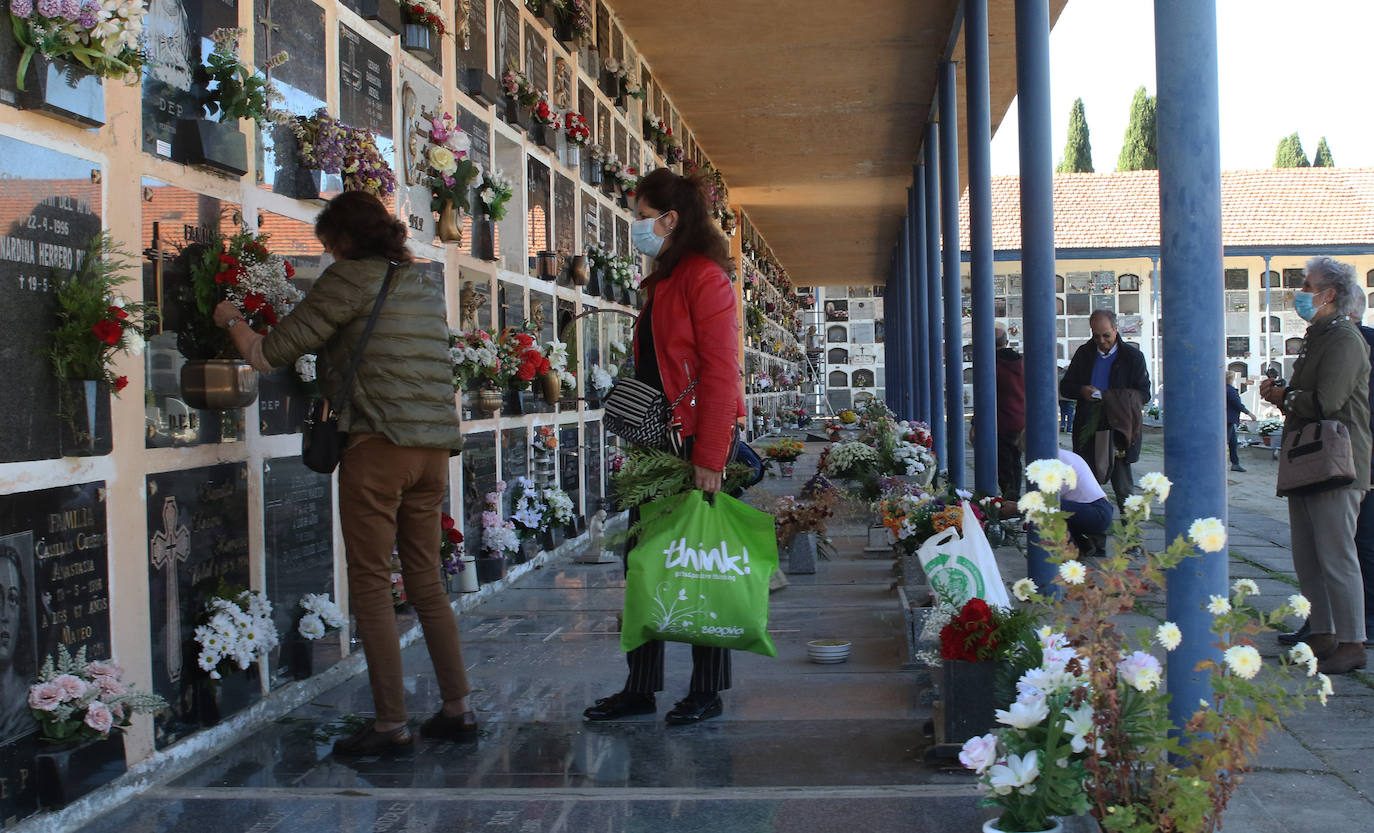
<point x="347" y="391"/>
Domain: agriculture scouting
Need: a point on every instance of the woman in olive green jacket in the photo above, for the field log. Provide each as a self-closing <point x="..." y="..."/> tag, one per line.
<point x="402" y="427"/>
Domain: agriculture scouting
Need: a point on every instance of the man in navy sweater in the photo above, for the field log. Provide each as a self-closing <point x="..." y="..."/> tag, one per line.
<point x="1234" y="408"/>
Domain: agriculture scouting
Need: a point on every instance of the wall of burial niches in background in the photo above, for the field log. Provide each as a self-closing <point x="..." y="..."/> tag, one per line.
<point x="188" y="497"/>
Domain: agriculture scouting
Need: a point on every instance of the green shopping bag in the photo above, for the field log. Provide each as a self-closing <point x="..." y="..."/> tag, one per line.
<point x="700" y="573"/>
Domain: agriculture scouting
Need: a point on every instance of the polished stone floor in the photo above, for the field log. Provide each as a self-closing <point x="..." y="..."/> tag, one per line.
<point x="800" y="747"/>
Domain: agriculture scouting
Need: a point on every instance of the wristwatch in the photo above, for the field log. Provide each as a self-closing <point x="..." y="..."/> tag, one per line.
<point x="232" y="322"/>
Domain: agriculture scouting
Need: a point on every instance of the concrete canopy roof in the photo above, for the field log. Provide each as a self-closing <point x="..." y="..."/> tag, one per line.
<point x="814" y="111"/>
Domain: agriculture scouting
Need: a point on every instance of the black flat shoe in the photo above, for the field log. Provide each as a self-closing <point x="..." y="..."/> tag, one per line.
<point x="443" y="727"/>
<point x="368" y="741"/>
<point x="695" y="708"/>
<point x="1294" y="637"/>
<point x="621" y="704"/>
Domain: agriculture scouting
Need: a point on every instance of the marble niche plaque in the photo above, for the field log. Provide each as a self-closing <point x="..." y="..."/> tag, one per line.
<point x="590" y="221"/>
<point x="51" y="202"/>
<point x="296" y="26"/>
<point x="541" y="325"/>
<point x="479" y="478"/>
<point x="471" y="32"/>
<point x="177" y="224"/>
<point x="54" y="591"/>
<point x="197" y="538"/>
<point x="176" y="36"/>
<point x="479" y="139"/>
<point x="567" y="332"/>
<point x="420" y="102"/>
<point x="507" y="37"/>
<point x="591" y="467"/>
<point x="569" y="466"/>
<point x="515" y="462"/>
<point x="298" y="537"/>
<point x="564" y="215"/>
<point x="537" y="208"/>
<point x="365" y="89"/>
<point x="536" y="57"/>
<point x="607" y="229"/>
<point x="283" y="398"/>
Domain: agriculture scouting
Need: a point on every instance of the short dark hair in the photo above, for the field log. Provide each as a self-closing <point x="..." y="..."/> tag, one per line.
<point x="665" y="191"/>
<point x="356" y="225"/>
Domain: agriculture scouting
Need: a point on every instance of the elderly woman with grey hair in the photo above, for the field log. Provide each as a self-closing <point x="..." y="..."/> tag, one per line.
<point x="1330" y="381"/>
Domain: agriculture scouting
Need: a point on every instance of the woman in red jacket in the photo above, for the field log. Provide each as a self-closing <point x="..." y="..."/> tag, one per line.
<point x="688" y="331"/>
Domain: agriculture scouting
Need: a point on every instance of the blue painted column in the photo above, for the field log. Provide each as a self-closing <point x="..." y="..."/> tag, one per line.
<point x="934" y="312"/>
<point x="902" y="375"/>
<point x="977" y="97"/>
<point x="917" y="210"/>
<point x="1192" y="341"/>
<point x="890" y="352"/>
<point x="1037" y="247"/>
<point x="949" y="220"/>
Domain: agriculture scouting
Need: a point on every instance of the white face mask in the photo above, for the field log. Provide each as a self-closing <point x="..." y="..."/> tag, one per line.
<point x="644" y="238"/>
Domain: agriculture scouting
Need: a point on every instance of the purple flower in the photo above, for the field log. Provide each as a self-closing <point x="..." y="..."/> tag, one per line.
<point x="87" y="18"/>
<point x="21" y="8"/>
<point x="49" y="8"/>
<point x="71" y="9"/>
<point x="448" y="180"/>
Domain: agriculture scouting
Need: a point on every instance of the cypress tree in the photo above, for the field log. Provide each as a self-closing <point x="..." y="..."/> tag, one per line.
<point x="1078" y="155"/>
<point x="1138" y="150"/>
<point x="1290" y="153"/>
<point x="1322" y="158"/>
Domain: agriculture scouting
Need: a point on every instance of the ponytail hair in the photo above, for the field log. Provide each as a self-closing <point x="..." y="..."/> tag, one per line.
<point x="356" y="225"/>
<point x="695" y="233"/>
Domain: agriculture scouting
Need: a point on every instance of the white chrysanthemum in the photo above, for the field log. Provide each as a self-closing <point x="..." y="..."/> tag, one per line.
<point x="1138" y="503"/>
<point x="1300" y="606"/>
<point x="1209" y="534"/>
<point x="1243" y="660"/>
<point x="1168" y="636"/>
<point x="1023" y="589"/>
<point x="1245" y="587"/>
<point x="1326" y="689"/>
<point x="311" y="627"/>
<point x="1032" y="504"/>
<point x="1073" y="572"/>
<point x="1301" y="654"/>
<point x="1051" y="475"/>
<point x="1157" y="485"/>
<point x="1218" y="605"/>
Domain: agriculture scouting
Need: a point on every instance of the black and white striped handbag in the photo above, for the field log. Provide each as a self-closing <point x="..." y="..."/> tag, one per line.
<point x="640" y="413"/>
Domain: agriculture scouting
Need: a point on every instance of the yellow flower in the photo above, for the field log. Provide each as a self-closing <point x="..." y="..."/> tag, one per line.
<point x="442" y="160"/>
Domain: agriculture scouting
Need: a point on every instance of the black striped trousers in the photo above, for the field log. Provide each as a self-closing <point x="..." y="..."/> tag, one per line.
<point x="710" y="666"/>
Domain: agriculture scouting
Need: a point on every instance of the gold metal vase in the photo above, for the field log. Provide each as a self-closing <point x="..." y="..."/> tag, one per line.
<point x="550" y="387"/>
<point x="450" y="230"/>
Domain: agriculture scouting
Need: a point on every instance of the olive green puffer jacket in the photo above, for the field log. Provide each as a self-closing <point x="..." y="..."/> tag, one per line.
<point x="404" y="387"/>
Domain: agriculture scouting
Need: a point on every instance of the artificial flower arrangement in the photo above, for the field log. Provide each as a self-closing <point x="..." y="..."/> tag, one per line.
<point x="603" y="377"/>
<point x="102" y="35"/>
<point x="558" y="507"/>
<point x="475" y="360"/>
<point x="634" y="88"/>
<point x="542" y="110"/>
<point x="495" y="192"/>
<point x="319" y="616"/>
<point x="576" y="15"/>
<point x="498" y="534"/>
<point x="576" y="128"/>
<point x="807" y="513"/>
<point x="655" y="130"/>
<point x="450" y="546"/>
<point x="240" y="269"/>
<point x="79" y="700"/>
<point x="426" y="13"/>
<point x="557" y="354"/>
<point x="625" y="272"/>
<point x="1269" y="425"/>
<point x="1090" y="730"/>
<point x="517" y="87"/>
<point x="239" y="92"/>
<point x="329" y="145"/>
<point x="450" y="171"/>
<point x="611" y="167"/>
<point x="545" y="439"/>
<point x="527" y="509"/>
<point x="785" y="450"/>
<point x="674" y="154"/>
<point x="850" y="460"/>
<point x="518" y="350"/>
<point x="94" y="325"/>
<point x="848" y="417"/>
<point x="236" y="631"/>
<point x="628" y="180"/>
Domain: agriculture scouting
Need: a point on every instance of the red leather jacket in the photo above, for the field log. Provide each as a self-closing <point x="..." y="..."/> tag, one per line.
<point x="697" y="336"/>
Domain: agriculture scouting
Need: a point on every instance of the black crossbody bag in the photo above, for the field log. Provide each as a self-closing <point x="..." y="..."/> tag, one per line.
<point x="322" y="443"/>
<point x="640" y="414"/>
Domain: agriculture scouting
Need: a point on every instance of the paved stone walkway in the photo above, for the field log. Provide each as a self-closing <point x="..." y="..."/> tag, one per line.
<point x="800" y="748"/>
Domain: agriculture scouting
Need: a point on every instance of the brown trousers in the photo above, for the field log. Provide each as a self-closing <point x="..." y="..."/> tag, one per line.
<point x="390" y="495"/>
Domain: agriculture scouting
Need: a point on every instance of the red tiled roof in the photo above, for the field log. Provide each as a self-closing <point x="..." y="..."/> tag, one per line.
<point x="1274" y="207"/>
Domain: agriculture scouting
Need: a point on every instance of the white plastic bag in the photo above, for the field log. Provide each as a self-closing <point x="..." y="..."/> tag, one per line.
<point x="963" y="568"/>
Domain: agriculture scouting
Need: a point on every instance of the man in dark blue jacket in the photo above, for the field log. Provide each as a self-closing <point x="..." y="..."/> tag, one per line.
<point x="1234" y="408"/>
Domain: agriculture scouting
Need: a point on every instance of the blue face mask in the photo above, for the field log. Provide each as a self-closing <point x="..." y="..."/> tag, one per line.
<point x="644" y="238"/>
<point x="1305" y="305"/>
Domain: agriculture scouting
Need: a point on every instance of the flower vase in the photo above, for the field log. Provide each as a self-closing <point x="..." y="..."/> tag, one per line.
<point x="608" y="288"/>
<point x="547" y="540"/>
<point x="64" y="90"/>
<point x="416" y="39"/>
<point x="550" y="388"/>
<point x="572" y="155"/>
<point x="801" y="553"/>
<point x="308" y="657"/>
<point x="385" y="15"/>
<point x="467" y="574"/>
<point x="63" y="772"/>
<point x="578" y="273"/>
<point x="514" y="406"/>
<point x="966" y="705"/>
<point x="546" y="264"/>
<point x="593" y="287"/>
<point x="484" y="239"/>
<point x="490" y="568"/>
<point x="487" y="401"/>
<point x="218" y="384"/>
<point x="529" y="550"/>
<point x="85" y="430"/>
<point x="1057" y="826"/>
<point x="785" y="467"/>
<point x="215" y="145"/>
<point x="449" y="229"/>
<point x="607" y="185"/>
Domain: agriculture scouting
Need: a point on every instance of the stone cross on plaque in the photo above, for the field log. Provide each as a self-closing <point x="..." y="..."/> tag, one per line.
<point x="170" y="545"/>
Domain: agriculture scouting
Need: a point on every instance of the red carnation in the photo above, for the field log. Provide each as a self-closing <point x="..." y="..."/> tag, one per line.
<point x="253" y="301"/>
<point x="118" y="312"/>
<point x="120" y="383"/>
<point x="107" y="331"/>
<point x="290" y="270"/>
<point x="523" y="341"/>
<point x="446" y="522"/>
<point x="228" y="260"/>
<point x="525" y="373"/>
<point x="455" y="537"/>
<point x="229" y="276"/>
